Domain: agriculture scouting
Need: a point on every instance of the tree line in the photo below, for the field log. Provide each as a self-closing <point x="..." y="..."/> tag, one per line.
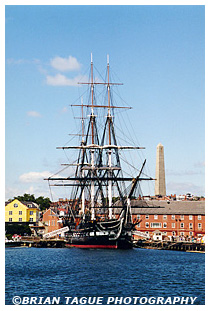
<point x="41" y="201"/>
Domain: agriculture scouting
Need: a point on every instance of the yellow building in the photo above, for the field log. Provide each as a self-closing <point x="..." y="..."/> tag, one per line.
<point x="21" y="212"/>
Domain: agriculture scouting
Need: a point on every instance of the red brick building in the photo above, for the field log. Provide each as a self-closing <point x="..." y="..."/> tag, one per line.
<point x="52" y="220"/>
<point x="159" y="219"/>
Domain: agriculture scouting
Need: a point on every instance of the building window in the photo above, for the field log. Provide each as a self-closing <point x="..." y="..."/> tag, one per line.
<point x="155" y="216"/>
<point x="31" y="213"/>
<point x="164" y="233"/>
<point x="138" y="225"/>
<point x="164" y="217"/>
<point x="53" y="222"/>
<point x="190" y="233"/>
<point x="15" y="205"/>
<point x="147" y="217"/>
<point x="10" y="212"/>
<point x="164" y="225"/>
<point x="147" y="232"/>
<point x="182" y="233"/>
<point x="10" y="219"/>
<point x="199" y="217"/>
<point x="173" y="233"/>
<point x="199" y="226"/>
<point x="182" y="217"/>
<point x="182" y="225"/>
<point x="190" y="217"/>
<point x="173" y="225"/>
<point x="190" y="225"/>
<point x="29" y="205"/>
<point x="147" y="225"/>
<point x="20" y="212"/>
<point x="31" y="219"/>
<point x="137" y="217"/>
<point x="172" y="217"/>
<point x="155" y="225"/>
<point x="20" y="219"/>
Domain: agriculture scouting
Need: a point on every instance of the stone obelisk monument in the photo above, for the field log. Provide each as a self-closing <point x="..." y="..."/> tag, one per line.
<point x="160" y="183"/>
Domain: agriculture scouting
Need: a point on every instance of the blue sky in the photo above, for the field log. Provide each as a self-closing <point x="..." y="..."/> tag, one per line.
<point x="158" y="52"/>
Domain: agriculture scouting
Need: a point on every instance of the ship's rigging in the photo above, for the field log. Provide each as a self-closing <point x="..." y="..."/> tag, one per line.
<point x="98" y="169"/>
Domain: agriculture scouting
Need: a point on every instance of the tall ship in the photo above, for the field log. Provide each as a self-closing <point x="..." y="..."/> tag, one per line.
<point x="99" y="185"/>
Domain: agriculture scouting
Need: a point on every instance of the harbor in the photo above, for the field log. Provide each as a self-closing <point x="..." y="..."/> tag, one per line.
<point x="159" y="245"/>
<point x="60" y="272"/>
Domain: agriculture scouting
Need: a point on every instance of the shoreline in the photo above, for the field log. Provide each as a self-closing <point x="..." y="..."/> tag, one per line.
<point x="176" y="246"/>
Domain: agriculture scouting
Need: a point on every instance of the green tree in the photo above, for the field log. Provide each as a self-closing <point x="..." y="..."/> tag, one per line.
<point x="43" y="202"/>
<point x="26" y="198"/>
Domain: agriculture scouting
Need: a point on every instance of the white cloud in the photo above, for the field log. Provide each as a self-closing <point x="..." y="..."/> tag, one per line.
<point x="42" y="70"/>
<point x="34" y="177"/>
<point x="39" y="189"/>
<point x="170" y="172"/>
<point x="12" y="61"/>
<point x="184" y="187"/>
<point x="33" y="114"/>
<point x="11" y="192"/>
<point x="34" y="183"/>
<point x="61" y="80"/>
<point x="65" y="64"/>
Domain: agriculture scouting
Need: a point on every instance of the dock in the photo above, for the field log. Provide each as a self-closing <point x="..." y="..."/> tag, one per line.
<point x="41" y="243"/>
<point x="162" y="245"/>
<point x="168" y="245"/>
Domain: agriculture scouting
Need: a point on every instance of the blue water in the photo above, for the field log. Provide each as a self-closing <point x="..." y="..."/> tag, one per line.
<point x="35" y="272"/>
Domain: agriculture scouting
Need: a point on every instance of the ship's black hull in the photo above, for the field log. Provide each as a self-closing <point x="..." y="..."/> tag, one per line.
<point x="100" y="243"/>
<point x="104" y="234"/>
<point x="84" y="241"/>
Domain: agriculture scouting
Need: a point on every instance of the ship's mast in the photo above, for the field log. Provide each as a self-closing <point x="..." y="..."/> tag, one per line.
<point x="109" y="103"/>
<point x="110" y="213"/>
<point x="92" y="96"/>
<point x="83" y="151"/>
<point x="92" y="150"/>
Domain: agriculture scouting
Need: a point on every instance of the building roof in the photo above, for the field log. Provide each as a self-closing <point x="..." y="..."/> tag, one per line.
<point x="166" y="207"/>
<point x="52" y="213"/>
<point x="33" y="204"/>
<point x="26" y="203"/>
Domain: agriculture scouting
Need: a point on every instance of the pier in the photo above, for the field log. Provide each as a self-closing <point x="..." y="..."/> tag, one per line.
<point x="176" y="246"/>
<point x="162" y="245"/>
<point x="41" y="243"/>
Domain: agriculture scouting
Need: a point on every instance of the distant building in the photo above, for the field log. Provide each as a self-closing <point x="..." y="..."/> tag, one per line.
<point x="51" y="220"/>
<point x="62" y="212"/>
<point x="166" y="219"/>
<point x="160" y="183"/>
<point x="21" y="212"/>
